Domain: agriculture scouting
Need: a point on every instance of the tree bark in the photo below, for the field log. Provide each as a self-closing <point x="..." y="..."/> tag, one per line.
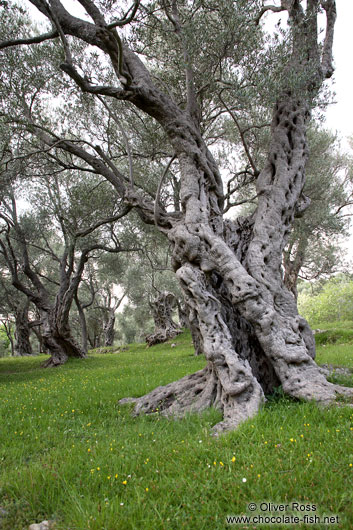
<point x="165" y="327"/>
<point x="57" y="338"/>
<point x="83" y="324"/>
<point x="109" y="331"/>
<point x="22" y="333"/>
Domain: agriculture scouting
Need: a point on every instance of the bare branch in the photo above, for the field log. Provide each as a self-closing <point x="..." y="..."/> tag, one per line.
<point x="102" y="222"/>
<point x="156" y="203"/>
<point x="327" y="59"/>
<point x="126" y="18"/>
<point x="86" y="86"/>
<point x="30" y="40"/>
<point x="239" y="203"/>
<point x="242" y="136"/>
<point x="274" y="9"/>
<point x="126" y="140"/>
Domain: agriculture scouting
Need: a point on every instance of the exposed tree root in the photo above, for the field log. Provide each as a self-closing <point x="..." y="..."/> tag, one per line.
<point x="61" y="348"/>
<point x="54" y="361"/>
<point x="197" y="392"/>
<point x="330" y="369"/>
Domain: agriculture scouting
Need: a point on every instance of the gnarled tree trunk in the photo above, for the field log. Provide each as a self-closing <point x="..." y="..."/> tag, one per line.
<point x="231" y="273"/>
<point x="58" y="341"/>
<point x="165" y="327"/>
<point x="253" y="337"/>
<point x="57" y="337"/>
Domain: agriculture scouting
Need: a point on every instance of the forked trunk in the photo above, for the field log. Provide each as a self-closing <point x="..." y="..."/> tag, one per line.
<point x="252" y="335"/>
<point x="231" y="273"/>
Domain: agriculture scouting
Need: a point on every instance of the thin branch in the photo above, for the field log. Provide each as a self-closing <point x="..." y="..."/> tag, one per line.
<point x="86" y="86"/>
<point x="275" y="9"/>
<point x="239" y="203"/>
<point x="126" y="140"/>
<point x="68" y="56"/>
<point x="107" y="220"/>
<point x="156" y="202"/>
<point x="126" y="18"/>
<point x="242" y="137"/>
<point x="30" y="40"/>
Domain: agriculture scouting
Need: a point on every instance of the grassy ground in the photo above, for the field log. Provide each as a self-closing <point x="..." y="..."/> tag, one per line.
<point x="69" y="452"/>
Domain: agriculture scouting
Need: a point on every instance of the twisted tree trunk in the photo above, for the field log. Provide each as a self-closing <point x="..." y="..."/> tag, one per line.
<point x="57" y="337"/>
<point x="231" y="273"/>
<point x="253" y="337"/>
<point x="165" y="327"/>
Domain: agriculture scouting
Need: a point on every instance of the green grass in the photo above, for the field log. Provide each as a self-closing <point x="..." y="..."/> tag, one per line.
<point x="334" y="345"/>
<point x="69" y="452"/>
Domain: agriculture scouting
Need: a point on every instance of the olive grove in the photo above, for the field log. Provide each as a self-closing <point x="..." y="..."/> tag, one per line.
<point x="164" y="77"/>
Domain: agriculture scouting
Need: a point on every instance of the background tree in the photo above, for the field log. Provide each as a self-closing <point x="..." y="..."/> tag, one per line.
<point x="18" y="308"/>
<point x="312" y="249"/>
<point x="330" y="301"/>
<point x="68" y="209"/>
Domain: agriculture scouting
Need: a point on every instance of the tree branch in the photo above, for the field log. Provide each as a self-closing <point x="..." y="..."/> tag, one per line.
<point x="126" y="18"/>
<point x="327" y="59"/>
<point x="274" y="9"/>
<point x="126" y="140"/>
<point x="242" y="137"/>
<point x="158" y="193"/>
<point x="30" y="40"/>
<point x="86" y="86"/>
<point x="107" y="220"/>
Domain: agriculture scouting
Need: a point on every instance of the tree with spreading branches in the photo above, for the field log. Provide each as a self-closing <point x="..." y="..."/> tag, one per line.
<point x="199" y="56"/>
<point x="46" y="251"/>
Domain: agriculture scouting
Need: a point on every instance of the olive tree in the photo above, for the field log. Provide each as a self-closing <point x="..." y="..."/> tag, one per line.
<point x="230" y="271"/>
